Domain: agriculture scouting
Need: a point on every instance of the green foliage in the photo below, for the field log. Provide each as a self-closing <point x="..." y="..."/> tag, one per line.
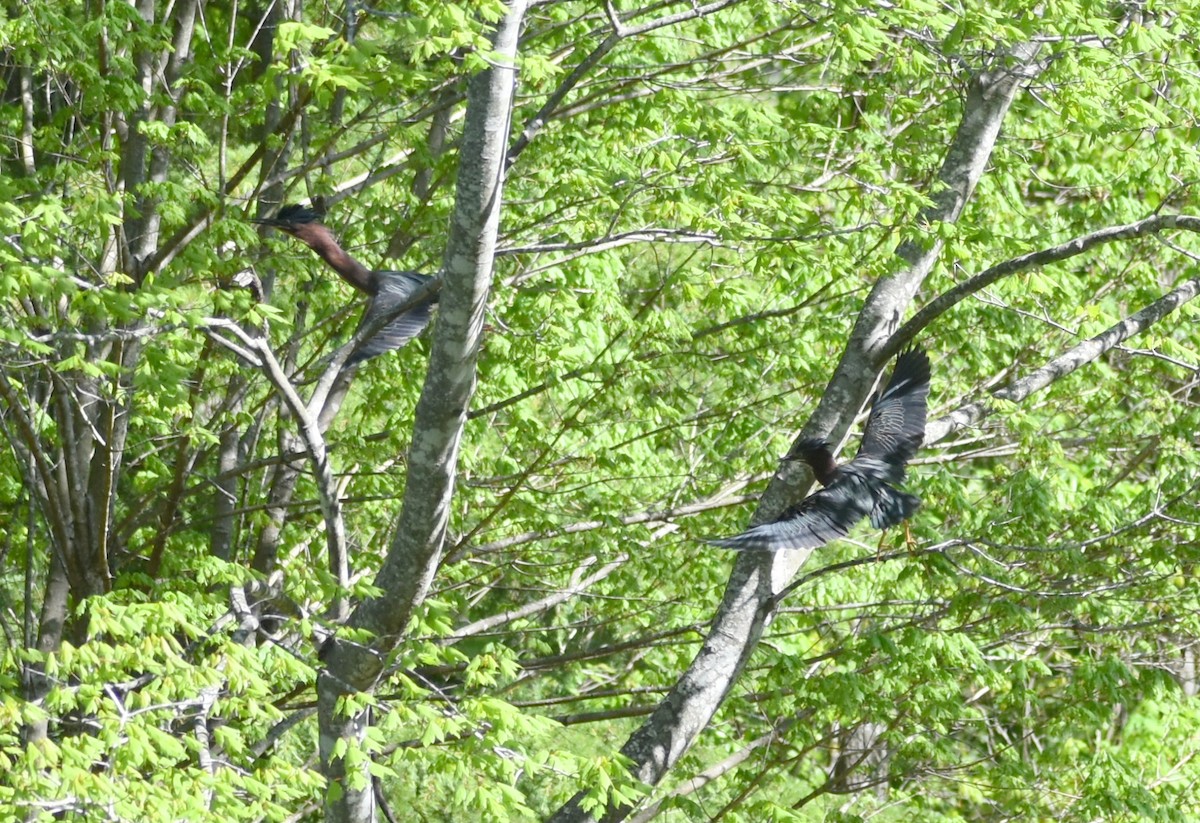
<point x="687" y="241"/>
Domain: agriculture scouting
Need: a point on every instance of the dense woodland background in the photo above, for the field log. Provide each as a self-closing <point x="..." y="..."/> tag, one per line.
<point x="230" y="590"/>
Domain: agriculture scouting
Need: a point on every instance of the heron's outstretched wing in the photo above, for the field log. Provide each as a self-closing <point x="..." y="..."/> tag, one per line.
<point x="896" y="426"/>
<point x="816" y="520"/>
<point x="395" y="289"/>
<point x="894" y="432"/>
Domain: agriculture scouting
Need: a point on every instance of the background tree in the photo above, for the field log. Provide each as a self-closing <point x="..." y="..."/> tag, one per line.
<point x="718" y="223"/>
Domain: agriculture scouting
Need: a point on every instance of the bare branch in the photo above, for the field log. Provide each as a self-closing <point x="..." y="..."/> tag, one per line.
<point x="314" y="441"/>
<point x="614" y="241"/>
<point x="720" y="500"/>
<point x="441" y="414"/>
<point x="620" y="32"/>
<point x="204" y="216"/>
<point x="1064" y="364"/>
<point x="749" y="598"/>
<point x="576" y="586"/>
<point x="721" y="768"/>
<point x="1064" y="251"/>
<point x="46" y="489"/>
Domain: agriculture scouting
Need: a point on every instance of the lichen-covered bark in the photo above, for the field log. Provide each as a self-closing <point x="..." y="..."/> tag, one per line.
<point x="437" y="426"/>
<point x="758" y="576"/>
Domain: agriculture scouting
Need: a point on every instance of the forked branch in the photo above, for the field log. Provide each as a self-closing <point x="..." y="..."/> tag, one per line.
<point x="256" y="351"/>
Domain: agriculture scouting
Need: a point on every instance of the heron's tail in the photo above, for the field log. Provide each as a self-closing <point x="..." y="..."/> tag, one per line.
<point x="892" y="506"/>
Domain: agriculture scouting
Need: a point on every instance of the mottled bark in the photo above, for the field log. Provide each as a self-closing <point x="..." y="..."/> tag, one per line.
<point x="225" y="491"/>
<point x="437" y="427"/>
<point x="758" y="576"/>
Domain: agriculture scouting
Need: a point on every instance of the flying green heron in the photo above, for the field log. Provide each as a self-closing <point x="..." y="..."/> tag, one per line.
<point x="388" y="290"/>
<point x="864" y="487"/>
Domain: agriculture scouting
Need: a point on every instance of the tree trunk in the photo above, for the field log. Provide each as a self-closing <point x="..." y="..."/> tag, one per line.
<point x="437" y="430"/>
<point x="757" y="577"/>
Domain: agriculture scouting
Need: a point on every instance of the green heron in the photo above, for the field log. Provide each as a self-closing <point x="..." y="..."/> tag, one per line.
<point x="864" y="486"/>
<point x="387" y="289"/>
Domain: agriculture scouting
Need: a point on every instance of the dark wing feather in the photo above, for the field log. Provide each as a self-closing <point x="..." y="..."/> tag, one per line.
<point x="395" y="288"/>
<point x="818" y="519"/>
<point x="896" y="426"/>
<point x="895" y="430"/>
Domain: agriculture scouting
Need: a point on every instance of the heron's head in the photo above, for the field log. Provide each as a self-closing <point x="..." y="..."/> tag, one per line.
<point x="809" y="450"/>
<point x="292" y="218"/>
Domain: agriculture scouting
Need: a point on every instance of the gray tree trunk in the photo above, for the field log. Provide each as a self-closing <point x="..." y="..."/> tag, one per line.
<point x="437" y="428"/>
<point x="757" y="577"/>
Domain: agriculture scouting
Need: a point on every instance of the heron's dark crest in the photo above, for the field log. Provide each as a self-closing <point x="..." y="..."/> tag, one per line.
<point x="291" y="216"/>
<point x="863" y="487"/>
